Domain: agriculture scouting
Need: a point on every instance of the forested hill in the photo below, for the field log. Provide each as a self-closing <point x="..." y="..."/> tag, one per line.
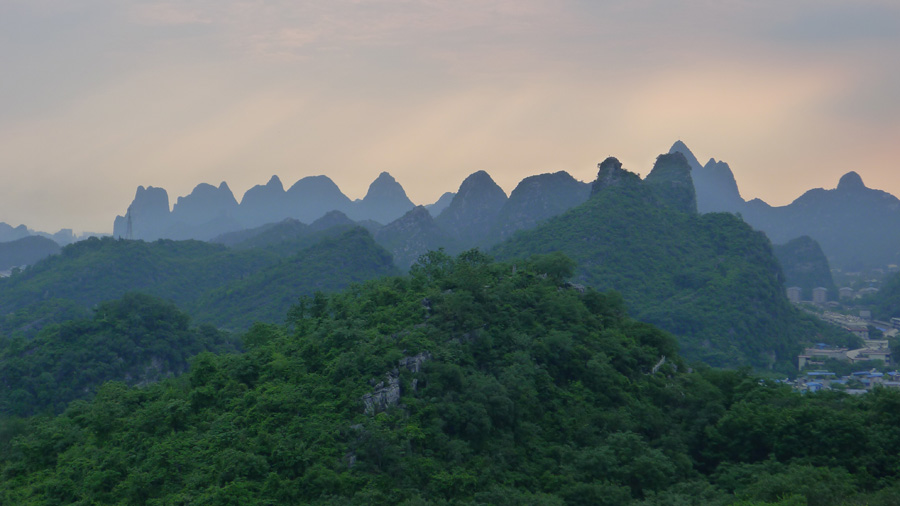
<point x="138" y="339"/>
<point x="709" y="279"/>
<point x="96" y="270"/>
<point x="230" y="288"/>
<point x="466" y="383"/>
<point x="329" y="265"/>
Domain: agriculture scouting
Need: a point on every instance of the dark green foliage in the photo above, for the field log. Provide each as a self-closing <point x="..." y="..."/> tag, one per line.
<point x="96" y="270"/>
<point x="886" y="303"/>
<point x="26" y="251"/>
<point x="670" y="180"/>
<point x="709" y="279"/>
<point x="265" y="235"/>
<point x="804" y="265"/>
<point x="137" y="339"/>
<point x="329" y="265"/>
<point x="530" y="391"/>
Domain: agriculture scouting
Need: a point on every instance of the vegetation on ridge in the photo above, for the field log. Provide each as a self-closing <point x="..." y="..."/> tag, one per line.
<point x="512" y="387"/>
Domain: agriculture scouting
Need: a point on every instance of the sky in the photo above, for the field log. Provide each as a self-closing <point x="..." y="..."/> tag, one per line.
<point x="100" y="96"/>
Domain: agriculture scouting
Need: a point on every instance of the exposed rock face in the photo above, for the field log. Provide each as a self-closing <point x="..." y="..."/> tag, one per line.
<point x="311" y="197"/>
<point x="441" y="204"/>
<point x="264" y="204"/>
<point x="537" y="198"/>
<point x="384" y="202"/>
<point x="411" y="236"/>
<point x="414" y="363"/>
<point x="610" y="174"/>
<point x="387" y="392"/>
<point x="671" y="181"/>
<point x="472" y="214"/>
<point x="147" y="217"/>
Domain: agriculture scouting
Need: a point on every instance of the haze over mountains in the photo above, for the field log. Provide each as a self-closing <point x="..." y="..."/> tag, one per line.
<point x="855" y="225"/>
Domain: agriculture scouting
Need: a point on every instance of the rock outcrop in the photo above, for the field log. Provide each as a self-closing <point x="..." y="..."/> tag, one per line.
<point x="386" y="393"/>
<point x="611" y="174"/>
<point x="148" y="216"/>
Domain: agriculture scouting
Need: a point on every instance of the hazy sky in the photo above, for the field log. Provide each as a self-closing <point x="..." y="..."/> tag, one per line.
<point x="100" y="96"/>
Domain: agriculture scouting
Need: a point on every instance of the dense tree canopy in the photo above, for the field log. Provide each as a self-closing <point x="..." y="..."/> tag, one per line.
<point x="467" y="382"/>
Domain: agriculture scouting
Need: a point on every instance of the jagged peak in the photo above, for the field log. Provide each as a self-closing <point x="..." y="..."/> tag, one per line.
<point x="275" y="181"/>
<point x="610" y="173"/>
<point x="850" y="181"/>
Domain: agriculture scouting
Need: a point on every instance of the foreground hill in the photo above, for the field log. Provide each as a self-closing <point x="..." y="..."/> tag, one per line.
<point x="709" y="279"/>
<point x="466" y="383"/>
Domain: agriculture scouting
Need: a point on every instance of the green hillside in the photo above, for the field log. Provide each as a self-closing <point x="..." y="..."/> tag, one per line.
<point x="137" y="339"/>
<point x="709" y="279"/>
<point x="96" y="270"/>
<point x="804" y="265"/>
<point x="466" y="383"/>
<point x="329" y="265"/>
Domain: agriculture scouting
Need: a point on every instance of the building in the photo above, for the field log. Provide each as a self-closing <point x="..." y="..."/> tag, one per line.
<point x="846" y="293"/>
<point x="819" y="295"/>
<point x="868" y="291"/>
<point x="793" y="294"/>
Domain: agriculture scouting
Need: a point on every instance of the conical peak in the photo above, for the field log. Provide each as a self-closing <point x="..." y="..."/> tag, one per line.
<point x="275" y="184"/>
<point x="385" y="182"/>
<point x="850" y="181"/>
<point x="386" y="177"/>
<point x="680" y="147"/>
<point x="480" y="180"/>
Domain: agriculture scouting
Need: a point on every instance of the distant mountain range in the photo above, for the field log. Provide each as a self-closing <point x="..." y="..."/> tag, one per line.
<point x="210" y="211"/>
<point x="709" y="279"/>
<point x="856" y="226"/>
<point x="479" y="214"/>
